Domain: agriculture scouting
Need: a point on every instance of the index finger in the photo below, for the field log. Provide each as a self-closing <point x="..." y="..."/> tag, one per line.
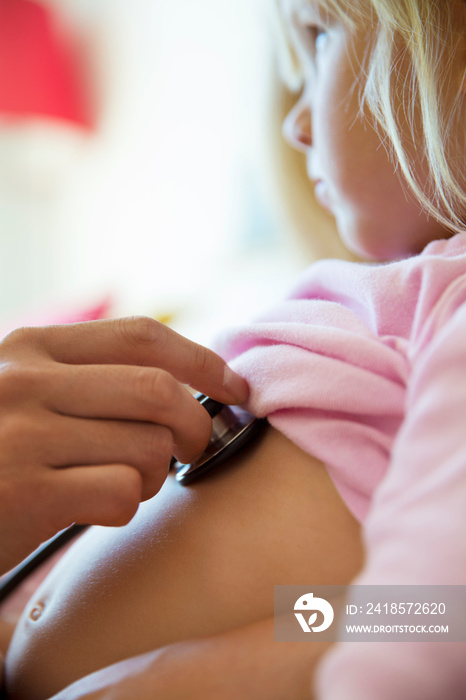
<point x="140" y="340"/>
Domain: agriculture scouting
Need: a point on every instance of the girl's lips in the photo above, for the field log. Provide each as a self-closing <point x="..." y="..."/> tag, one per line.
<point x="322" y="195"/>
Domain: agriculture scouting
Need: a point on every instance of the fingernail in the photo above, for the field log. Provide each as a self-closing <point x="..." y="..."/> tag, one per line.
<point x="237" y="386"/>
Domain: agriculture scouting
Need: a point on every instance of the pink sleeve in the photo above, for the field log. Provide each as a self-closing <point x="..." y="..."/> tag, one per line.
<point x="415" y="531"/>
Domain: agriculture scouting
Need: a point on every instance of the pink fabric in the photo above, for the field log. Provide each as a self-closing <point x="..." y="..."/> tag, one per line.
<point x="364" y="367"/>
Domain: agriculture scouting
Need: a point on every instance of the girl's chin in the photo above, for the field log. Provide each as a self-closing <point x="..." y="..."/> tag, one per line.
<point x="381" y="239"/>
<point x="364" y="244"/>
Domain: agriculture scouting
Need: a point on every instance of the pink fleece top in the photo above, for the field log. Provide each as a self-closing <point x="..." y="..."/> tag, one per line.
<point x="364" y="367"/>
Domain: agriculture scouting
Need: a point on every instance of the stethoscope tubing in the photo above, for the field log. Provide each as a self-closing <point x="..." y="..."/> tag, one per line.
<point x="10" y="581"/>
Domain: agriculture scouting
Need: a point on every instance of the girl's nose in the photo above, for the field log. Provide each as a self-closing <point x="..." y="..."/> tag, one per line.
<point x="297" y="128"/>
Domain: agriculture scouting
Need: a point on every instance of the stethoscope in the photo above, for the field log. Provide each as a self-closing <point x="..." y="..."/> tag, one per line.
<point x="232" y="429"/>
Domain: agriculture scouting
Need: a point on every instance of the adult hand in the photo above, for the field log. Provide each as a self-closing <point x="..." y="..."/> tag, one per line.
<point x="90" y="416"/>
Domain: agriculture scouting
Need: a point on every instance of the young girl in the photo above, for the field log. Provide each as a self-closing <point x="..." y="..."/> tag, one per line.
<point x="360" y="372"/>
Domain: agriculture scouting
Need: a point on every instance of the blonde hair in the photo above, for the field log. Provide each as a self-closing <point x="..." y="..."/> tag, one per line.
<point x="424" y="33"/>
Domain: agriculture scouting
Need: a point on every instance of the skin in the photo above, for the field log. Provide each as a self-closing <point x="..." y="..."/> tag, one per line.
<point x="277" y="516"/>
<point x="90" y="415"/>
<point x="197" y="561"/>
<point x="377" y="217"/>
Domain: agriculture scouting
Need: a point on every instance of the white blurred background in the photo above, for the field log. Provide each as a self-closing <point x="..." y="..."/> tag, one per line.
<point x="155" y="197"/>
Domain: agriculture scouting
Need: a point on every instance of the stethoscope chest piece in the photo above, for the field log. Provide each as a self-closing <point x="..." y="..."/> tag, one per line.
<point x="232" y="429"/>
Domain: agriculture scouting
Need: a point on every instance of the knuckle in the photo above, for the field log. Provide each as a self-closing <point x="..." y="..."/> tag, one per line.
<point x="13" y="430"/>
<point x="139" y="330"/>
<point x="162" y="444"/>
<point x="190" y="445"/>
<point x="204" y="432"/>
<point x="21" y="434"/>
<point x="19" y="336"/>
<point x="156" y="386"/>
<point x="10" y="381"/>
<point x="19" y="380"/>
<point x="201" y="357"/>
<point x="157" y="446"/>
<point x="158" y="451"/>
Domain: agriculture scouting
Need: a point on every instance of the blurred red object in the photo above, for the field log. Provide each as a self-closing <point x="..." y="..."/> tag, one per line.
<point x="53" y="315"/>
<point x="39" y="71"/>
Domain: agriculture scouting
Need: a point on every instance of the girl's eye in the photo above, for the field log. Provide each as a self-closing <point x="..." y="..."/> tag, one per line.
<point x="313" y="39"/>
<point x="320" y="40"/>
<point x="310" y="41"/>
<point x="319" y="37"/>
